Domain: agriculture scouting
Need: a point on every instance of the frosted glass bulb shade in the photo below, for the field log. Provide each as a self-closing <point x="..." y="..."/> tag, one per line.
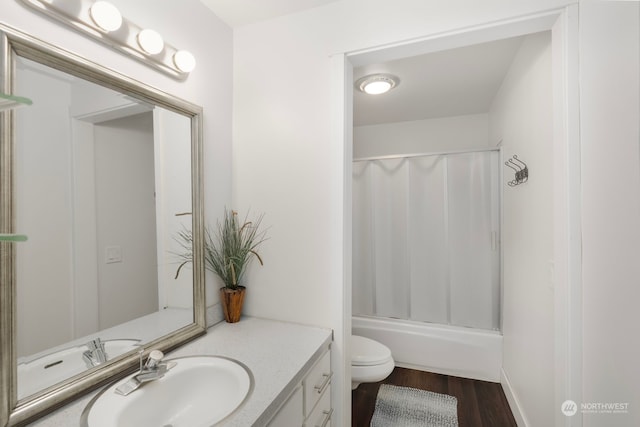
<point x="375" y="84"/>
<point x="184" y="60"/>
<point x="376" y="88"/>
<point x="106" y="16"/>
<point x="150" y="41"/>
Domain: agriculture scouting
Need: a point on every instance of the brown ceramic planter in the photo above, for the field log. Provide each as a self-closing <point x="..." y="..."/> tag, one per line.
<point x="232" y="300"/>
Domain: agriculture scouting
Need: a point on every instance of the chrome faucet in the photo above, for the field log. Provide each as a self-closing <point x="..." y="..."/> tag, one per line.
<point x="96" y="354"/>
<point x="153" y="369"/>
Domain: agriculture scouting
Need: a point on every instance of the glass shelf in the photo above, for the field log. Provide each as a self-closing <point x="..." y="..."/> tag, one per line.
<point x="8" y="102"/>
<point x="12" y="237"/>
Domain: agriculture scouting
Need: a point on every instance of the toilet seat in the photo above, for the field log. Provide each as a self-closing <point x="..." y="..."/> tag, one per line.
<point x="367" y="352"/>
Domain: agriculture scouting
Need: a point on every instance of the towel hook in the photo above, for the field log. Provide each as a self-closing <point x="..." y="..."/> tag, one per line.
<point x="512" y="167"/>
<point x="515" y="157"/>
<point x="521" y="171"/>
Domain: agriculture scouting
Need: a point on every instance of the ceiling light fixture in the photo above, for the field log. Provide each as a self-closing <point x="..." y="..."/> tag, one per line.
<point x="103" y="21"/>
<point x="375" y="84"/>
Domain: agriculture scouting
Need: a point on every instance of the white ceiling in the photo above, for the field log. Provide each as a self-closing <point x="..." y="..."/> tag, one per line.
<point x="240" y="12"/>
<point x="442" y="84"/>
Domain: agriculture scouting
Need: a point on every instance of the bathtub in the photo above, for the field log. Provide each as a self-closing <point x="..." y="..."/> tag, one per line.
<point x="449" y="350"/>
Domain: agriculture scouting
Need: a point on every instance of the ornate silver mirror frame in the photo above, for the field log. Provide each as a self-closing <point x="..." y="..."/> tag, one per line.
<point x="13" y="412"/>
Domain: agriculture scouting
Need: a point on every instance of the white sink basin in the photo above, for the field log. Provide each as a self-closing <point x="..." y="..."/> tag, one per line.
<point x="52" y="368"/>
<point x="198" y="391"/>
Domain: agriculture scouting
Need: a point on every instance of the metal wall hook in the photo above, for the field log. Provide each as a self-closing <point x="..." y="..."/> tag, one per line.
<point x="521" y="169"/>
<point x="512" y="167"/>
<point x="517" y="167"/>
<point x="515" y="157"/>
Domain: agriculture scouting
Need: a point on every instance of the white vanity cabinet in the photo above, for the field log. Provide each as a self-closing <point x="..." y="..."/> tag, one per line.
<point x="290" y="414"/>
<point x="310" y="403"/>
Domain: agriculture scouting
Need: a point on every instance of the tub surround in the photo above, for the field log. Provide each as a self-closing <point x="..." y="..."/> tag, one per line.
<point x="277" y="353"/>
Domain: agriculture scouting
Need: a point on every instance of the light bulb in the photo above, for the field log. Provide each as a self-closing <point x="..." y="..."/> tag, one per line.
<point x="376" y="88"/>
<point x="184" y="60"/>
<point x="106" y="16"/>
<point x="150" y="41"/>
<point x="375" y="84"/>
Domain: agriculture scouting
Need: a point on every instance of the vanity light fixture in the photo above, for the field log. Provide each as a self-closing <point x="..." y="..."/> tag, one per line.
<point x="103" y="21"/>
<point x="376" y="84"/>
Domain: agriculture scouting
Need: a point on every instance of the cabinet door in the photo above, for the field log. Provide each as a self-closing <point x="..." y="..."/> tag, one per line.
<point x="290" y="414"/>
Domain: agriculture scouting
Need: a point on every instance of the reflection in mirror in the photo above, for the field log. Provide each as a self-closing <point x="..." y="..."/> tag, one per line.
<point x="101" y="172"/>
<point x="103" y="182"/>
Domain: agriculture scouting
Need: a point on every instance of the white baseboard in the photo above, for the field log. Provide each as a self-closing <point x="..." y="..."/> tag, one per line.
<point x="514" y="404"/>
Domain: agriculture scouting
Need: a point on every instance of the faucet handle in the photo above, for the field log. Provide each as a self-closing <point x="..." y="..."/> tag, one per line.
<point x="97" y="351"/>
<point x="154" y="359"/>
<point x="95" y="344"/>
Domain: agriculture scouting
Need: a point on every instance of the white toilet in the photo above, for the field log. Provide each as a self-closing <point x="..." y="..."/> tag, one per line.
<point x="371" y="361"/>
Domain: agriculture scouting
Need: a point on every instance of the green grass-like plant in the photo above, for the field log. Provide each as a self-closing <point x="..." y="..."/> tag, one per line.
<point x="227" y="251"/>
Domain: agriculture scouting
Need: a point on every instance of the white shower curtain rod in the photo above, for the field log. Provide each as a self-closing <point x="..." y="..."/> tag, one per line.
<point x="435" y="153"/>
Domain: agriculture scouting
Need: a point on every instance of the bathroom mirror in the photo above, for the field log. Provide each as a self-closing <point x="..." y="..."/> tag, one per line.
<point x="100" y="173"/>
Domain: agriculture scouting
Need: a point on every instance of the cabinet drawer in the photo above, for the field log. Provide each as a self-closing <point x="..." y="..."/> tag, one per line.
<point x="321" y="414"/>
<point x="317" y="381"/>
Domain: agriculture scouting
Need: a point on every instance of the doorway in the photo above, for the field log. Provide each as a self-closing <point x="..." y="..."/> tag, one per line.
<point x="564" y="272"/>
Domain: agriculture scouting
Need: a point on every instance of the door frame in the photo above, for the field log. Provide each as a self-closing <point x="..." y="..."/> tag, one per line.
<point x="567" y="274"/>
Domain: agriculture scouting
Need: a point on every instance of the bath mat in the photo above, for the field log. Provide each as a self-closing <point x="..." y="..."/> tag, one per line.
<point x="409" y="407"/>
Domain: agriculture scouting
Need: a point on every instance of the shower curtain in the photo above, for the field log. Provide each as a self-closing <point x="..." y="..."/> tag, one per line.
<point x="426" y="237"/>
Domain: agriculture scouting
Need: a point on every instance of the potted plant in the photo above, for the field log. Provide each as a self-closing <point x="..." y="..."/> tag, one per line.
<point x="227" y="253"/>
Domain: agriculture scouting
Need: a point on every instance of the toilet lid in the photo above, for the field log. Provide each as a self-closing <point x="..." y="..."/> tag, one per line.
<point x="367" y="352"/>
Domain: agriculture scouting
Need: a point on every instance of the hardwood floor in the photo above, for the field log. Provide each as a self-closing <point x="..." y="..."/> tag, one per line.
<point x="480" y="403"/>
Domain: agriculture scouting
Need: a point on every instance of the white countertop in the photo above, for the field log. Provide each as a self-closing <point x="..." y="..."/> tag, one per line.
<point x="277" y="353"/>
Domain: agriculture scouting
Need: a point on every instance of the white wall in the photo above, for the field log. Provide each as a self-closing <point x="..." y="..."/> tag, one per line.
<point x="610" y="144"/>
<point x="522" y="117"/>
<point x="172" y="150"/>
<point x="187" y="24"/>
<point x="126" y="213"/>
<point x="94" y="103"/>
<point x="42" y="179"/>
<point x="90" y="104"/>
<point x="287" y="160"/>
<point x="422" y="136"/>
